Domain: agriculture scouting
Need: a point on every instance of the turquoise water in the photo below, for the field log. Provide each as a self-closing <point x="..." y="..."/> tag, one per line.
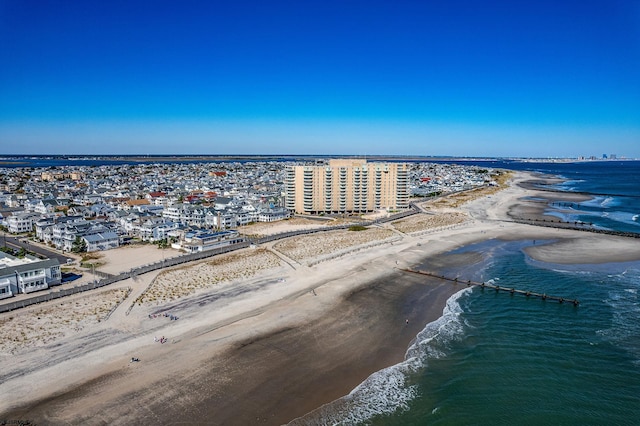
<point x="535" y="362"/>
<point x="499" y="359"/>
<point x="502" y="359"/>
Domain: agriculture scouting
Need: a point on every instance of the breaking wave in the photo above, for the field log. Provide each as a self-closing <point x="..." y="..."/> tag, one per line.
<point x="391" y="389"/>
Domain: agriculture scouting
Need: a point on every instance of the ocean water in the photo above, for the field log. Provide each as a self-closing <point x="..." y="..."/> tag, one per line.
<point x="499" y="359"/>
<point x="614" y="187"/>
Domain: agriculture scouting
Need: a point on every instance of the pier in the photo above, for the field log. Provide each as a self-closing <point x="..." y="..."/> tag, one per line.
<point x="497" y="288"/>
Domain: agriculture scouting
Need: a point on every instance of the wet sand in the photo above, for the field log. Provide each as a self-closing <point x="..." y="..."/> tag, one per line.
<point x="268" y="378"/>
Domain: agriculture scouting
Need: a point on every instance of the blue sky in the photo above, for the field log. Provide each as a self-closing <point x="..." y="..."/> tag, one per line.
<point x="465" y="78"/>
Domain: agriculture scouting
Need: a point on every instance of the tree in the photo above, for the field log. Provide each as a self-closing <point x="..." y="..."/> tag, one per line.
<point x="79" y="245"/>
<point x="163" y="243"/>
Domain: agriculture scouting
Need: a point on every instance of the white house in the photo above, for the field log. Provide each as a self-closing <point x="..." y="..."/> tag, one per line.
<point x="198" y="241"/>
<point x="273" y="214"/>
<point x="21" y="222"/>
<point x="26" y="275"/>
<point x="101" y="241"/>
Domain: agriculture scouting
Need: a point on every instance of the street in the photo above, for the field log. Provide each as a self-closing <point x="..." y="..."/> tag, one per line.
<point x="23" y="242"/>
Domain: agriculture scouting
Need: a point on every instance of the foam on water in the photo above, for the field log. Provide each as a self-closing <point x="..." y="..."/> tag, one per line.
<point x="622" y="217"/>
<point x="600" y="201"/>
<point x="624" y="330"/>
<point x="621" y="280"/>
<point x="390" y="390"/>
<point x="568" y="185"/>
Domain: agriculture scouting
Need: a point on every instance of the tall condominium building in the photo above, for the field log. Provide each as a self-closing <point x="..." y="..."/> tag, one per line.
<point x="347" y="186"/>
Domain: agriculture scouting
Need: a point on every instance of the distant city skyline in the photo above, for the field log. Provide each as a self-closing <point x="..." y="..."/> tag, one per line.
<point x="459" y="78"/>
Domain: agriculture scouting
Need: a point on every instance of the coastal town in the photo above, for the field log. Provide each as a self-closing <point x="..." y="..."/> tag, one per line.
<point x="185" y="208"/>
<point x="319" y="213"/>
<point x="253" y="309"/>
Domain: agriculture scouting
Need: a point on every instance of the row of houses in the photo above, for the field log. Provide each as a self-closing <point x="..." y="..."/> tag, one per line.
<point x="147" y="223"/>
<point x="66" y="232"/>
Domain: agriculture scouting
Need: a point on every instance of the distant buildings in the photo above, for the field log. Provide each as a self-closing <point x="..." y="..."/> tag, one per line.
<point x="346" y="186"/>
<point x="87" y="208"/>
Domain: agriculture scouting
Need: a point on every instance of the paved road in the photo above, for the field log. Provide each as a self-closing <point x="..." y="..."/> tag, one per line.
<point x="18" y="242"/>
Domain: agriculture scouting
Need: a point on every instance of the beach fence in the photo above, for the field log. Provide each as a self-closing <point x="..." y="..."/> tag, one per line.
<point x="55" y="294"/>
<point x="107" y="279"/>
<point x="396" y="216"/>
<point x="52" y="295"/>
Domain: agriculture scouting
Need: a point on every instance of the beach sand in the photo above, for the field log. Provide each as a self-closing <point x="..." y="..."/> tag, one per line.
<point x="270" y="346"/>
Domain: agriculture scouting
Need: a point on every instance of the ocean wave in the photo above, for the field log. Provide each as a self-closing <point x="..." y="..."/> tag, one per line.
<point x="601" y="202"/>
<point x="623" y="217"/>
<point x="613" y="269"/>
<point x="569" y="185"/>
<point x="608" y="201"/>
<point x="624" y="330"/>
<point x="389" y="390"/>
<point x="564" y="216"/>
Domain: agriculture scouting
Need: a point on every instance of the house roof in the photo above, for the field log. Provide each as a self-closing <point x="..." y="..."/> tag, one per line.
<point x="94" y="238"/>
<point x="138" y="202"/>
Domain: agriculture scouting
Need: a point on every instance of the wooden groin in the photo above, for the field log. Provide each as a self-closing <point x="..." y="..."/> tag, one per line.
<point x="497" y="288"/>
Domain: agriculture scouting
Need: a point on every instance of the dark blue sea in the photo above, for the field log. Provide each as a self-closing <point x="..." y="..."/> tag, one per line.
<point x="498" y="359"/>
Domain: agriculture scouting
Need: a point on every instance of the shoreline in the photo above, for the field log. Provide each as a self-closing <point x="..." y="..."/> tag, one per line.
<point x="284" y="347"/>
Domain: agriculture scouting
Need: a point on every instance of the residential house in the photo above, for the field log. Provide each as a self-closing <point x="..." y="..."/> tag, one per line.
<point x="199" y="241"/>
<point x="26" y="275"/>
<point x="21" y="222"/>
<point x="272" y="214"/>
<point x="129" y="204"/>
<point x="44" y="225"/>
<point x="101" y="241"/>
<point x="102" y="235"/>
<point x="50" y="205"/>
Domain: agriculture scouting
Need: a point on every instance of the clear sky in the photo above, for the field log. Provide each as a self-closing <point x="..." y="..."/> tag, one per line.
<point x="535" y="78"/>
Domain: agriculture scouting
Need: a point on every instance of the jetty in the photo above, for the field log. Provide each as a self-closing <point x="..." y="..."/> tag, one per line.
<point x="497" y="288"/>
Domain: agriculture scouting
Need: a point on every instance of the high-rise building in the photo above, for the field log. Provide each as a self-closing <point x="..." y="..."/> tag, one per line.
<point x="347" y="186"/>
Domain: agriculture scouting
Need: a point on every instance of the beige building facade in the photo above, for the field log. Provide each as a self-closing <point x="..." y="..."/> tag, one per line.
<point x="347" y="186"/>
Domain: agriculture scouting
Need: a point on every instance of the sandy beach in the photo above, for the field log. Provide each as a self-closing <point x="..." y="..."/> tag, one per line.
<point x="266" y="334"/>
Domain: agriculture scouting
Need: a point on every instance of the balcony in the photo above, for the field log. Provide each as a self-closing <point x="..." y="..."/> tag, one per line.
<point x="33" y="283"/>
